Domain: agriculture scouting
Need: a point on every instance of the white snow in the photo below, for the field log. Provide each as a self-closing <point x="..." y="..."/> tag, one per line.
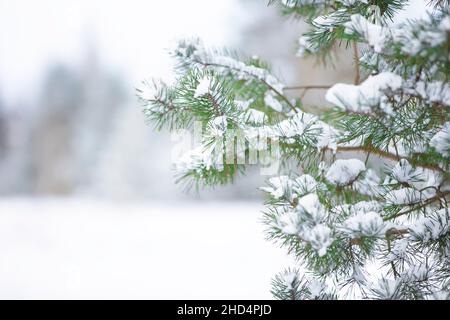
<point x="432" y="226"/>
<point x="226" y="64"/>
<point x="375" y="35"/>
<point x="432" y="91"/>
<point x="304" y="184"/>
<point x="404" y="172"/>
<point x="369" y="184"/>
<point x="320" y="238"/>
<point x="350" y="3"/>
<point x="85" y="249"/>
<point x="198" y="159"/>
<point x="344" y="171"/>
<point x="273" y="103"/>
<point x="441" y="140"/>
<point x="203" y="87"/>
<point x="289" y="222"/>
<point x="243" y="105"/>
<point x="255" y="116"/>
<point x="368" y="224"/>
<point x="279" y="186"/>
<point x="367" y="95"/>
<point x="403" y="196"/>
<point x="311" y="204"/>
<point x="218" y="126"/>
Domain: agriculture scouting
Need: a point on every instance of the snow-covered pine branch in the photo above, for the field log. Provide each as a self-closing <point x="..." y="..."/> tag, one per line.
<point x="358" y="228"/>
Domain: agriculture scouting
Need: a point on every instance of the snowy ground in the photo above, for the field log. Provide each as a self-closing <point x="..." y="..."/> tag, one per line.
<point x="72" y="248"/>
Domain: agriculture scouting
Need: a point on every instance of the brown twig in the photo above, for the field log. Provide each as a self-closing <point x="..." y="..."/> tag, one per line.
<point x="356" y="57"/>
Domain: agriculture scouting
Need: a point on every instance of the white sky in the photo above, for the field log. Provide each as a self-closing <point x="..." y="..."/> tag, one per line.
<point x="131" y="35"/>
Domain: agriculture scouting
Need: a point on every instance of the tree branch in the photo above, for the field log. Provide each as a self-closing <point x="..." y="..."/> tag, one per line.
<point x="280" y="94"/>
<point x="387" y="155"/>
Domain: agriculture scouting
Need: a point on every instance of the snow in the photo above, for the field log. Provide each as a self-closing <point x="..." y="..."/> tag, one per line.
<point x="369" y="184"/>
<point x="367" y="95"/>
<point x="311" y="204"/>
<point x="218" y="126"/>
<point x="403" y="172"/>
<point x="243" y="105"/>
<point x="359" y="207"/>
<point x="368" y="224"/>
<point x="349" y="3"/>
<point x="273" y="103"/>
<point x="280" y="186"/>
<point x="320" y="238"/>
<point x="198" y="159"/>
<point x="294" y="126"/>
<point x="403" y="196"/>
<point x="255" y="116"/>
<point x="432" y="91"/>
<point x="86" y="249"/>
<point x="344" y="171"/>
<point x="203" y="87"/>
<point x="387" y="289"/>
<point x="305" y="184"/>
<point x="431" y="227"/>
<point x="193" y="50"/>
<point x="441" y="140"/>
<point x="304" y="46"/>
<point x="375" y="35"/>
<point x="289" y="222"/>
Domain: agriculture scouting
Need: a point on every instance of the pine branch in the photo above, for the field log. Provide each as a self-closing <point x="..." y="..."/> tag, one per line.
<point x="278" y="93"/>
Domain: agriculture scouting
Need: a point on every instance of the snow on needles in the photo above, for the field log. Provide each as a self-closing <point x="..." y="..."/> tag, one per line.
<point x="203" y="87"/>
<point x="343" y="172"/>
<point x="369" y="94"/>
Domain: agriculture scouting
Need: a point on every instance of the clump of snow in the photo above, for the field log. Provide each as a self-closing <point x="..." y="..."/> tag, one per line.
<point x="244" y="105"/>
<point x="305" y="184"/>
<point x="203" y="87"/>
<point x="289" y="222"/>
<point x="432" y="91"/>
<point x="376" y="36"/>
<point x="403" y="196"/>
<point x="199" y="159"/>
<point x="311" y="206"/>
<point x="289" y="279"/>
<point x="327" y="139"/>
<point x="368" y="224"/>
<point x="359" y="207"/>
<point x="387" y="289"/>
<point x="255" y="116"/>
<point x="273" y="103"/>
<point x="279" y="186"/>
<point x="304" y="46"/>
<point x="417" y="272"/>
<point x="403" y="172"/>
<point x="193" y="51"/>
<point x="349" y="3"/>
<point x="398" y="250"/>
<point x="330" y="21"/>
<point x="441" y="140"/>
<point x="431" y="227"/>
<point x="320" y="238"/>
<point x="294" y="126"/>
<point x="343" y="172"/>
<point x="369" y="184"/>
<point x="218" y="126"/>
<point x="369" y="94"/>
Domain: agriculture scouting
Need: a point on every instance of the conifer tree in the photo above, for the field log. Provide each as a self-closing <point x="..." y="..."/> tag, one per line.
<point x="364" y="209"/>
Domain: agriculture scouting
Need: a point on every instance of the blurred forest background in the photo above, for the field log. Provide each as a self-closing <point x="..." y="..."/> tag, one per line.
<point x="69" y="120"/>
